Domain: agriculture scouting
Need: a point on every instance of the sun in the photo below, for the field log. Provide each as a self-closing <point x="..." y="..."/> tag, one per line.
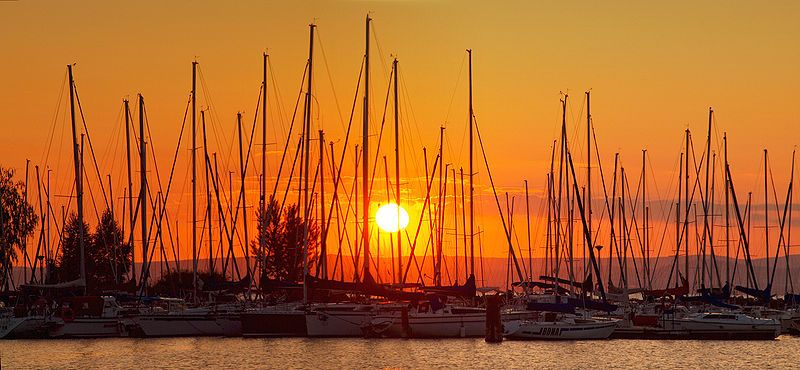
<point x="391" y="218"/>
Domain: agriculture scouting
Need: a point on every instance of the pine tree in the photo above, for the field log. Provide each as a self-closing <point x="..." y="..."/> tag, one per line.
<point x="110" y="254"/>
<point x="283" y="234"/>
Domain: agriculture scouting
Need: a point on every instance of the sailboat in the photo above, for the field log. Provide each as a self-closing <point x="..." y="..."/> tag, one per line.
<point x="431" y="319"/>
<point x="724" y="325"/>
<point x="78" y="316"/>
<point x="555" y="326"/>
<point x="22" y="321"/>
<point x="171" y="317"/>
<point x="87" y="317"/>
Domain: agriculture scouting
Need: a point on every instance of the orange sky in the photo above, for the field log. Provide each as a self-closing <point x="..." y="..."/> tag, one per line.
<point x="653" y="70"/>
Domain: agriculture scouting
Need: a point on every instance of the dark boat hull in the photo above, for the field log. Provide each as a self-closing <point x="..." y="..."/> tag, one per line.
<point x="274" y="324"/>
<point x="640" y="332"/>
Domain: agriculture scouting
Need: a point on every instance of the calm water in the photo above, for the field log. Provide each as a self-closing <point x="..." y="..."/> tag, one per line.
<point x="394" y="353"/>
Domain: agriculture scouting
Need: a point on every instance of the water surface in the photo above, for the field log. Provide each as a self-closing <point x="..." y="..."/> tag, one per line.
<point x="356" y="353"/>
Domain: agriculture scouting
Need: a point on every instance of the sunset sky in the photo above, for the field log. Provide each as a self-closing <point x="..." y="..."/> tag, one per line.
<point x="653" y="69"/>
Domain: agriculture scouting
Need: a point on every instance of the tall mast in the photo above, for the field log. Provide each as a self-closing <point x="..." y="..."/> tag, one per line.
<point x="705" y="201"/>
<point x="323" y="260"/>
<point x="727" y="214"/>
<point x="548" y="231"/>
<point x="130" y="186"/>
<point x="463" y="218"/>
<point x="688" y="206"/>
<point x="24" y="245"/>
<point x="789" y="283"/>
<point x="365" y="155"/>
<point x="194" y="179"/>
<point x="455" y="223"/>
<point x="208" y="193"/>
<point x="551" y="207"/>
<point x="471" y="174"/>
<point x="143" y="189"/>
<point x="397" y="171"/>
<point x="528" y="219"/>
<point x="244" y="198"/>
<point x="42" y="232"/>
<point x="624" y="227"/>
<point x="613" y="242"/>
<point x="557" y="211"/>
<point x="263" y="197"/>
<point x="644" y="218"/>
<point x="588" y="201"/>
<point x="766" y="213"/>
<point x="437" y="269"/>
<point x="307" y="137"/>
<point x="78" y="176"/>
<point x="678" y="236"/>
<point x="47" y="239"/>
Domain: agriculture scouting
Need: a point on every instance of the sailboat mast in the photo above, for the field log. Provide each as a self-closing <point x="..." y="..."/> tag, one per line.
<point x="307" y="137"/>
<point x="678" y="236"/>
<point x="588" y="201"/>
<point x="323" y="260"/>
<point x="528" y="221"/>
<point x="455" y="223"/>
<point x="208" y="194"/>
<point x="365" y="155"/>
<point x="47" y="236"/>
<point x="437" y="267"/>
<point x="686" y="215"/>
<point x="143" y="189"/>
<point x="766" y="213"/>
<point x="397" y="170"/>
<point x="706" y="234"/>
<point x="263" y="197"/>
<point x="548" y="230"/>
<point x="464" y="219"/>
<point x="130" y="186"/>
<point x="645" y="220"/>
<point x="242" y="192"/>
<point x="24" y="245"/>
<point x="194" y="179"/>
<point x="78" y="176"/>
<point x="727" y="215"/>
<point x="471" y="175"/>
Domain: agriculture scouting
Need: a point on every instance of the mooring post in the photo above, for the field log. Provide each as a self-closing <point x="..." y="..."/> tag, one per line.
<point x="404" y="319"/>
<point x="494" y="326"/>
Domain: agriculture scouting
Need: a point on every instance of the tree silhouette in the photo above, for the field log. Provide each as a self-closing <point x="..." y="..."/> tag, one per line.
<point x="108" y="256"/>
<point x="17" y="221"/>
<point x="283" y="234"/>
<point x="68" y="265"/>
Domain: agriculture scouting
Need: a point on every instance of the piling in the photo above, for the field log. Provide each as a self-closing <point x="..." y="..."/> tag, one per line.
<point x="494" y="326"/>
<point x="406" y="333"/>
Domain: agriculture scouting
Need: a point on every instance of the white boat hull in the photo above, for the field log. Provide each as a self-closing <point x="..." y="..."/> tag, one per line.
<point x="741" y="328"/>
<point x="434" y="325"/>
<point x="88" y="328"/>
<point x="22" y="327"/>
<point x="559" y="330"/>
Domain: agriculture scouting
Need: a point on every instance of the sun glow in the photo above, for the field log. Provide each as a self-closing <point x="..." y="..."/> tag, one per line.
<point x="391" y="218"/>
